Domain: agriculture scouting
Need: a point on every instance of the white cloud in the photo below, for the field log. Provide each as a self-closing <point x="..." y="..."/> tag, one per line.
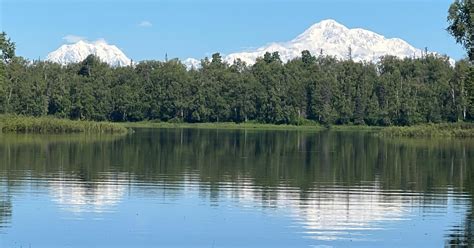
<point x="70" y="38"/>
<point x="145" y="24"/>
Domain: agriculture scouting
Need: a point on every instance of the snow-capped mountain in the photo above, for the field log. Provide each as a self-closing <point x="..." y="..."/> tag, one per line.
<point x="192" y="63"/>
<point x="77" y="52"/>
<point x="331" y="38"/>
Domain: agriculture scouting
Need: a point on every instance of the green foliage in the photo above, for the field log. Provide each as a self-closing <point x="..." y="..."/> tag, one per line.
<point x="307" y="89"/>
<point x="469" y="101"/>
<point x="7" y="48"/>
<point x="461" y="24"/>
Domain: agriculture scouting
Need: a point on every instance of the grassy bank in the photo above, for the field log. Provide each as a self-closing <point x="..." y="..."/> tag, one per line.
<point x="22" y="124"/>
<point x="354" y="128"/>
<point x="309" y="126"/>
<point x="430" y="130"/>
<point x="223" y="125"/>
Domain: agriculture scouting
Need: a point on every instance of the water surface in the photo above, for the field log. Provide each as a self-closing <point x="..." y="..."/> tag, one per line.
<point x="235" y="188"/>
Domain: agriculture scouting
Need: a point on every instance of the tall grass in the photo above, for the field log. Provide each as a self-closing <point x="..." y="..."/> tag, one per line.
<point x="431" y="130"/>
<point x="23" y="124"/>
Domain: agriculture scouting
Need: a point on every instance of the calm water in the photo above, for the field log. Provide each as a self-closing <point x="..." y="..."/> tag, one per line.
<point x="208" y="188"/>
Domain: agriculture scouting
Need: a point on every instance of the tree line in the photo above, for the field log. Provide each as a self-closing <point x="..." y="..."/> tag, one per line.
<point x="309" y="88"/>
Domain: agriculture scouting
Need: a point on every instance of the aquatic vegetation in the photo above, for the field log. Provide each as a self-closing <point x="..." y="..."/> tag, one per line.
<point x="431" y="130"/>
<point x="23" y="124"/>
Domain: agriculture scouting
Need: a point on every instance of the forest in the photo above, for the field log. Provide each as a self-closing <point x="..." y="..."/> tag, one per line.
<point x="321" y="89"/>
<point x="310" y="88"/>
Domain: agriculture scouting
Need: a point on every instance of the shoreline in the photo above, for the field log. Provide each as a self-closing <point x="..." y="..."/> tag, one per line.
<point x="442" y="130"/>
<point x="451" y="130"/>
<point x="52" y="125"/>
<point x="222" y="125"/>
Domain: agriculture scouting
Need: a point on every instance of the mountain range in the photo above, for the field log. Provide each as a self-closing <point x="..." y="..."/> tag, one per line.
<point x="327" y="37"/>
<point x="331" y="38"/>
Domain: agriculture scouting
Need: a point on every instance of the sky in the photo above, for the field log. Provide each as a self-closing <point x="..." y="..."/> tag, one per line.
<point x="146" y="29"/>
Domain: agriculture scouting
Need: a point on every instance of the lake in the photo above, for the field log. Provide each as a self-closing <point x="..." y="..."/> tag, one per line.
<point x="235" y="188"/>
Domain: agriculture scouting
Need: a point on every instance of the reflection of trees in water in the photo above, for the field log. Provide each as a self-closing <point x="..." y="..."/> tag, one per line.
<point x="299" y="158"/>
<point x="462" y="236"/>
<point x="5" y="211"/>
<point x="5" y="206"/>
<point x="266" y="159"/>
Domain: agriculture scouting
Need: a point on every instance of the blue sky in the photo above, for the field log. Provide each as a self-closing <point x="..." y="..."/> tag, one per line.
<point x="146" y="29"/>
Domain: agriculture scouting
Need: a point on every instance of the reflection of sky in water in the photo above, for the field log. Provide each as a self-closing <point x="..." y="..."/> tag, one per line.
<point x="326" y="215"/>
<point x="76" y="196"/>
<point x="355" y="213"/>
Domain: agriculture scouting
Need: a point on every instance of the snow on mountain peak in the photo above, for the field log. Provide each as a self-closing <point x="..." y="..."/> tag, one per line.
<point x="79" y="51"/>
<point x="328" y="23"/>
<point x="334" y="39"/>
<point x="324" y="26"/>
<point x="192" y="63"/>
